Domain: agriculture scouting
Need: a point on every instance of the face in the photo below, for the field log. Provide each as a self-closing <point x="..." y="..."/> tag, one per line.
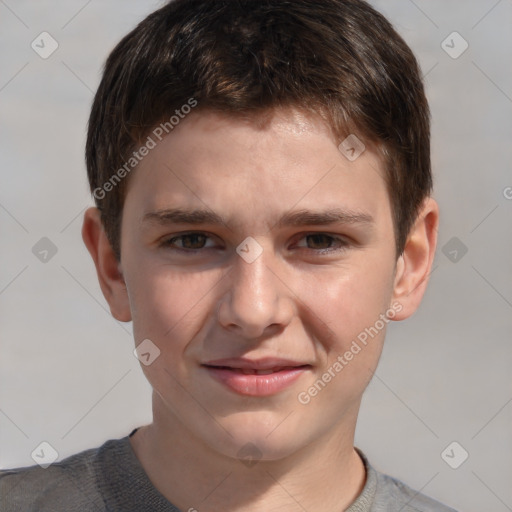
<point x="260" y="261"/>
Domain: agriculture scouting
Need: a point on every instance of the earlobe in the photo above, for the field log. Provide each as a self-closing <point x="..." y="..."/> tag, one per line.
<point x="414" y="264"/>
<point x="108" y="267"/>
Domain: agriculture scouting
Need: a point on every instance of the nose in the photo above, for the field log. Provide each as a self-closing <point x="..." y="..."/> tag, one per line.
<point x="258" y="302"/>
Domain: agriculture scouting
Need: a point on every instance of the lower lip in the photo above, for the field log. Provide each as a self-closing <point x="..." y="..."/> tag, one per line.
<point x="256" y="385"/>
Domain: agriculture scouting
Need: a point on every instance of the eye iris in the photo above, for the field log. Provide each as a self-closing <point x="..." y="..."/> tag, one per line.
<point x="319" y="241"/>
<point x="193" y="241"/>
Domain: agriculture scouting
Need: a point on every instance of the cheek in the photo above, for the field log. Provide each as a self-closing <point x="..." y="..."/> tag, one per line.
<point x="353" y="307"/>
<point x="351" y="302"/>
<point x="169" y="305"/>
<point x="354" y="299"/>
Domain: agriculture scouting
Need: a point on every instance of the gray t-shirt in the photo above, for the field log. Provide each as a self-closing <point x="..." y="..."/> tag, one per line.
<point x="111" y="479"/>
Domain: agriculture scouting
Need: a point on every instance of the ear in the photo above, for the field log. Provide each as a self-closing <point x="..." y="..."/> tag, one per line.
<point x="108" y="267"/>
<point x="414" y="264"/>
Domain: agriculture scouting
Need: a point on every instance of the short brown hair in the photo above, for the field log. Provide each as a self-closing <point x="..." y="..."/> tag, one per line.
<point x="337" y="58"/>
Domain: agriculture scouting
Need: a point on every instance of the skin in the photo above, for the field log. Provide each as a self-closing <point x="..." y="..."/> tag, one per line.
<point x="309" y="294"/>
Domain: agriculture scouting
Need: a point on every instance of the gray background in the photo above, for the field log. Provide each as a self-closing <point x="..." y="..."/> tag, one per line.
<point x="67" y="372"/>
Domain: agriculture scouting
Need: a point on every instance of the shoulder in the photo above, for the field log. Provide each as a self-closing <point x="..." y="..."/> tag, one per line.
<point x="383" y="493"/>
<point x="391" y="493"/>
<point x="73" y="484"/>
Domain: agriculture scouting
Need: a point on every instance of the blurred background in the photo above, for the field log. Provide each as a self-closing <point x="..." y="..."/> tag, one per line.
<point x="438" y="413"/>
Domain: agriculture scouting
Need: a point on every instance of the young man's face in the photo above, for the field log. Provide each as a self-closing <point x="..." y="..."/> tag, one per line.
<point x="318" y="269"/>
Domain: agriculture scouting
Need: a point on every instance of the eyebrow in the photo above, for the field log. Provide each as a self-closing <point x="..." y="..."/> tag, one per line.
<point x="181" y="216"/>
<point x="295" y="219"/>
<point x="324" y="217"/>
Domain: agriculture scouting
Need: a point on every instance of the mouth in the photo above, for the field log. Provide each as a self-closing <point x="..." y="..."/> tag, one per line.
<point x="253" y="371"/>
<point x="263" y="377"/>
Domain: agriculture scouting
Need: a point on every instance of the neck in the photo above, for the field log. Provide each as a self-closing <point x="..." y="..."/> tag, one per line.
<point x="327" y="474"/>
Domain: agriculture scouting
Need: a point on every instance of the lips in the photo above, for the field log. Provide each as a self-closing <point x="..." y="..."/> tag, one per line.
<point x="261" y="377"/>
<point x="253" y="371"/>
<point x="266" y="363"/>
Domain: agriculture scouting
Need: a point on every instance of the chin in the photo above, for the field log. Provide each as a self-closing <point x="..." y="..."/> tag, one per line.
<point x="253" y="439"/>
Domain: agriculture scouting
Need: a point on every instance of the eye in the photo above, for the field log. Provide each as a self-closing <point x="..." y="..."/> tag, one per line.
<point x="189" y="242"/>
<point x="322" y="242"/>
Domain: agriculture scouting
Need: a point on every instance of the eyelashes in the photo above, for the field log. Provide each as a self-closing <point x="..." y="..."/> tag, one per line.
<point x="323" y="242"/>
<point x="188" y="241"/>
<point x="199" y="242"/>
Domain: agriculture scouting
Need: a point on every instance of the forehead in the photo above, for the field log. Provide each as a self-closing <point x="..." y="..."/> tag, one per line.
<point x="261" y="166"/>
